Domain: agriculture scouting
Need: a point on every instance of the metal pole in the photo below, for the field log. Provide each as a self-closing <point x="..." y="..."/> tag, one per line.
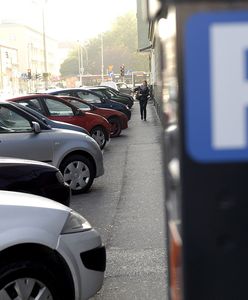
<point x="79" y="64"/>
<point x="29" y="68"/>
<point x="44" y="47"/>
<point x="82" y="59"/>
<point x="102" y="55"/>
<point x="86" y="55"/>
<point x="1" y="70"/>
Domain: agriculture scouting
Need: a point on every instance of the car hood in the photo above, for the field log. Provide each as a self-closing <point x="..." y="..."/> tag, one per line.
<point x="63" y="125"/>
<point x="26" y="218"/>
<point x="108" y="111"/>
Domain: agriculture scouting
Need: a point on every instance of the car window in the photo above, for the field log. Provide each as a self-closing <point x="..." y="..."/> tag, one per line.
<point x="12" y="120"/>
<point x="108" y="94"/>
<point x="100" y="92"/>
<point x="64" y="93"/>
<point x="33" y="104"/>
<point x="79" y="104"/>
<point x="57" y="108"/>
<point x="91" y="98"/>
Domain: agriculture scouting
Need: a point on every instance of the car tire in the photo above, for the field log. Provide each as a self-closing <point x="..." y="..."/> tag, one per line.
<point x="98" y="133"/>
<point x="31" y="277"/>
<point x="115" y="126"/>
<point x="78" y="172"/>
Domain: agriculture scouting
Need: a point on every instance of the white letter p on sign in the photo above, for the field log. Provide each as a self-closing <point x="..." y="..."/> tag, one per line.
<point x="229" y="85"/>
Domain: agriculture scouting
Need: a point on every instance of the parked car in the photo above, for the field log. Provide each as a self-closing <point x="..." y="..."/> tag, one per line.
<point x="110" y="83"/>
<point x="113" y="94"/>
<point x="94" y="98"/>
<point x="117" y="119"/>
<point x="124" y="88"/>
<point x="117" y="94"/>
<point x="75" y="154"/>
<point x="58" y="109"/>
<point x="49" y="122"/>
<point x="34" y="177"/>
<point x="47" y="250"/>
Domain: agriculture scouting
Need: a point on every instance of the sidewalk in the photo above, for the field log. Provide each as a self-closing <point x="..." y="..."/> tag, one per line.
<point x="136" y="259"/>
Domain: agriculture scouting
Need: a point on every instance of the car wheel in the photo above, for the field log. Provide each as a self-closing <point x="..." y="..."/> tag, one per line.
<point x="115" y="126"/>
<point x="30" y="279"/>
<point x="78" y="172"/>
<point x="99" y="135"/>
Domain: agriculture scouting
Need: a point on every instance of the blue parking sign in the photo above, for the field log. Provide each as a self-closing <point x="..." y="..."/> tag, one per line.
<point x="216" y="86"/>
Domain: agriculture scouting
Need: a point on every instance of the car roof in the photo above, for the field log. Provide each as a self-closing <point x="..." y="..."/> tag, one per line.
<point x="30" y="96"/>
<point x="86" y="89"/>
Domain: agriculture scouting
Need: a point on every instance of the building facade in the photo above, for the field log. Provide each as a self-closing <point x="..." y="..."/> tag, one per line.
<point x="150" y="44"/>
<point x="26" y="60"/>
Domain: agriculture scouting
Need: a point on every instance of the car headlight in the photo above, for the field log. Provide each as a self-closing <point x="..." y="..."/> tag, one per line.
<point x="75" y="223"/>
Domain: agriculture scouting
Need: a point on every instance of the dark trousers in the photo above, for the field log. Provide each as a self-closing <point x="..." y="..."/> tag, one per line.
<point x="143" y="104"/>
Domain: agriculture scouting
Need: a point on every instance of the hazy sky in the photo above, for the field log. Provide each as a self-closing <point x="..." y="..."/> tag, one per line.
<point x="67" y="20"/>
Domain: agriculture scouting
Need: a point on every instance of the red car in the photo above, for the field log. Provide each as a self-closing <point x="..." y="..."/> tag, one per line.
<point x="117" y="119"/>
<point x="58" y="109"/>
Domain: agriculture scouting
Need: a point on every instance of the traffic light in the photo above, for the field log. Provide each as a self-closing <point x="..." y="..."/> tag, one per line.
<point x="122" y="69"/>
<point x="29" y="74"/>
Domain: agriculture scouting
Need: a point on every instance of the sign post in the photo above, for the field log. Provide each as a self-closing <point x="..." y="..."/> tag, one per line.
<point x="206" y="150"/>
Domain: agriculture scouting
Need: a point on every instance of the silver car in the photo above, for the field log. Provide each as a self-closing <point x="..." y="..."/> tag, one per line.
<point x="76" y="154"/>
<point x="47" y="250"/>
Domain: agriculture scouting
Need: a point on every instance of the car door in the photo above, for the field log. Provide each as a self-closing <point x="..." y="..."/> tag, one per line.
<point x="18" y="139"/>
<point x="60" y="111"/>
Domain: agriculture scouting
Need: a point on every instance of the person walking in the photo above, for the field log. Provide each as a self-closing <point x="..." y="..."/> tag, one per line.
<point x="143" y="93"/>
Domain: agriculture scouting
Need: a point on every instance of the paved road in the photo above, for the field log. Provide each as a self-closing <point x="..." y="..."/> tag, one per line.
<point x="126" y="206"/>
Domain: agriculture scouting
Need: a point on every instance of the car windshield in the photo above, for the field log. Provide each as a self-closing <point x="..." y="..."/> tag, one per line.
<point x="104" y="93"/>
<point x="11" y="120"/>
<point x="79" y="104"/>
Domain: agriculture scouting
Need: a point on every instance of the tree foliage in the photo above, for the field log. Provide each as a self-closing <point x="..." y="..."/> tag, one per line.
<point x="119" y="47"/>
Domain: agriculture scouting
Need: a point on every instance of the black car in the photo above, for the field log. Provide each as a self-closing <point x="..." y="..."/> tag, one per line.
<point x="111" y="93"/>
<point x="93" y="98"/>
<point x="118" y="93"/>
<point x="33" y="177"/>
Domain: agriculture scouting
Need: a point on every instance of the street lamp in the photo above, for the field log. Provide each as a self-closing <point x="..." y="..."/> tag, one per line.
<point x="81" y="64"/>
<point x="45" y="73"/>
<point x="44" y="46"/>
<point x="102" y="55"/>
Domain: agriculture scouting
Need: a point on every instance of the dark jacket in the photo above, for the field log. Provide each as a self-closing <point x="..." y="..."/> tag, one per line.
<point x="143" y="93"/>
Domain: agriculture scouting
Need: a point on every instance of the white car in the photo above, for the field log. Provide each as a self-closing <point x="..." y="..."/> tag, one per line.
<point x="111" y="84"/>
<point x="47" y="250"/>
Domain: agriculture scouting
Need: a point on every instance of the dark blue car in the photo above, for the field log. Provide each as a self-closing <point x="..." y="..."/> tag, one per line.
<point x="93" y="98"/>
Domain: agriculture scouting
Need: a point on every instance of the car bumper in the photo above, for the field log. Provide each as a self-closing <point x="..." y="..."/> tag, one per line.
<point x="86" y="257"/>
<point x="96" y="154"/>
<point x="98" y="157"/>
<point x="124" y="123"/>
<point x="127" y="112"/>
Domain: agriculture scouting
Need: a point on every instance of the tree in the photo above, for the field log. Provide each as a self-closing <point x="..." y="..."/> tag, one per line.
<point x="69" y="67"/>
<point x="119" y="47"/>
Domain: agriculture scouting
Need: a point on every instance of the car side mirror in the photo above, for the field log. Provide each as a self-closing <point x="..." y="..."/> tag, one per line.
<point x="103" y="100"/>
<point x="36" y="127"/>
<point x="79" y="112"/>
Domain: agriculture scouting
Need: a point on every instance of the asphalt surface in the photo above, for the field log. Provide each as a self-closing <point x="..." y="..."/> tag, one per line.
<point x="126" y="206"/>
